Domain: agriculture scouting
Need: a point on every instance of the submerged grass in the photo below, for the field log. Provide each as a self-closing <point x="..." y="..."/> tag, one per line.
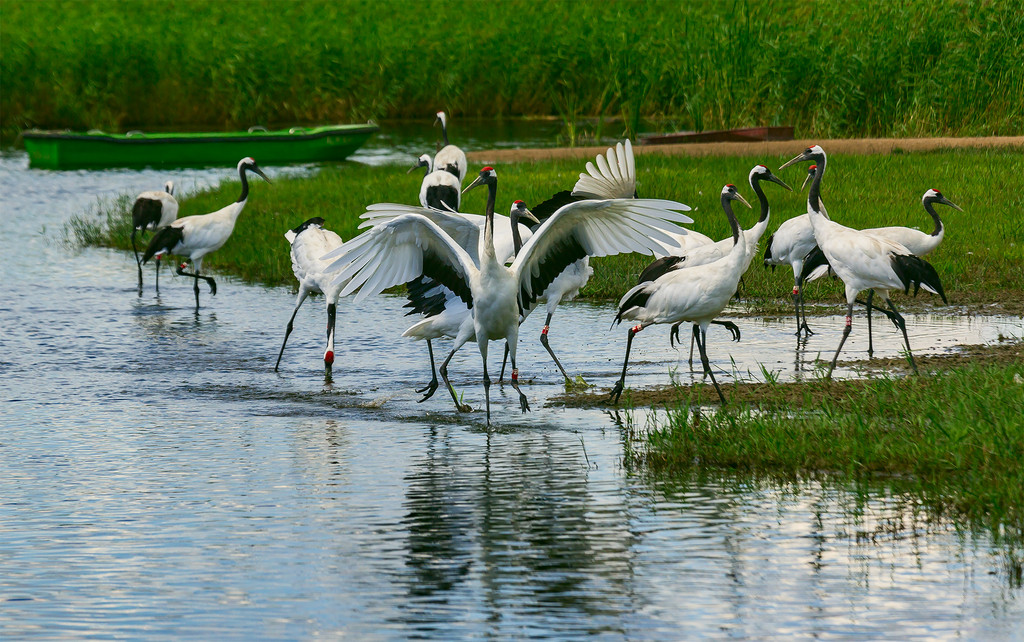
<point x="954" y="437"/>
<point x="980" y="261"/>
<point x="829" y="68"/>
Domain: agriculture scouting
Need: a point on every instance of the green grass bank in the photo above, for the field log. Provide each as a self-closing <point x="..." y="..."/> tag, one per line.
<point x="953" y="438"/>
<point x="981" y="260"/>
<point x="832" y="69"/>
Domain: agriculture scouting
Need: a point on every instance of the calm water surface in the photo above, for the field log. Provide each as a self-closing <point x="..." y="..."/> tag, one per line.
<point x="161" y="481"/>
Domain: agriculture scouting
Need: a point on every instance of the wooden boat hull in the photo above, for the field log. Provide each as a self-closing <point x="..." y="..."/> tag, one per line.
<point x="65" y="150"/>
<point x="741" y="135"/>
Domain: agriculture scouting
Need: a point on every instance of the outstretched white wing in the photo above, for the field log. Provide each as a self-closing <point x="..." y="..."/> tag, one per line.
<point x="399" y="250"/>
<point x="594" y="228"/>
<point x="614" y="176"/>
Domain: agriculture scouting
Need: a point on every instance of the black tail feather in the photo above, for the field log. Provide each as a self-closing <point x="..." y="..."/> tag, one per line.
<point x="316" y="220"/>
<point x="163" y="241"/>
<point x="659" y="267"/>
<point x="768" y="252"/>
<point x="638" y="299"/>
<point x="914" y="271"/>
<point x="814" y="259"/>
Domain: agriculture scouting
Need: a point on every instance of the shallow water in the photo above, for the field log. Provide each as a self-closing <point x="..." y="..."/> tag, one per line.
<point x="161" y="481"/>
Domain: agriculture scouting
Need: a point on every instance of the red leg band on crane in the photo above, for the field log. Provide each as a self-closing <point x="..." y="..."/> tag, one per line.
<point x="849" y="321"/>
<point x="796" y="290"/>
<point x="515" y="374"/>
<point x="544" y="331"/>
<point x="637" y="328"/>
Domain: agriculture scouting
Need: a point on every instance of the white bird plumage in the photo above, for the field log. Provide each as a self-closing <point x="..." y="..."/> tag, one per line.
<point x="864" y="261"/>
<point x="197" y="236"/>
<point x="450" y="158"/>
<point x="697" y="295"/>
<point x="410" y="245"/>
<point x="309" y="242"/>
<point x="439" y="189"/>
<point x="152" y="210"/>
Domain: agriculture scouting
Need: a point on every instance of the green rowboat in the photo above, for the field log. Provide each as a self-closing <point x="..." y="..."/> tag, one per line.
<point x="67" y="150"/>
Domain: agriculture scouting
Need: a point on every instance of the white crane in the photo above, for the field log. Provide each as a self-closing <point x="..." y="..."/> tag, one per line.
<point x="710" y="253"/>
<point x="694" y="295"/>
<point x="445" y="312"/>
<point x="864" y="261"/>
<point x="919" y="243"/>
<point x="614" y="176"/>
<point x="450" y="158"/>
<point x="152" y="210"/>
<point x="410" y="245"/>
<point x="790" y="245"/>
<point x="197" y="236"/>
<point x="309" y="242"/>
<point x="440" y="190"/>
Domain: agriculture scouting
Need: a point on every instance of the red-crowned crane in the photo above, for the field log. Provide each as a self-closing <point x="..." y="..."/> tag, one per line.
<point x="309" y="242"/>
<point x="695" y="295"/>
<point x="152" y="210"/>
<point x="790" y="245"/>
<point x="919" y="243"/>
<point x="440" y="190"/>
<point x="450" y="158"/>
<point x="710" y="253"/>
<point x="411" y="245"/>
<point x="197" y="236"/>
<point x="864" y="261"/>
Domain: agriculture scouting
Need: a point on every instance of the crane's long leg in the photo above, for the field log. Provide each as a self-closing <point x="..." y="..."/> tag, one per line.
<point x="803" y="313"/>
<point x="158" y="274"/>
<point x="846" y="333"/>
<point x="702" y="340"/>
<point x="504" y="360"/>
<point x="902" y="325"/>
<point x="871" y="343"/>
<point x="544" y="340"/>
<point x="728" y="325"/>
<point x="512" y="341"/>
<point x="459" y="341"/>
<point x="431" y="387"/>
<point x="487" y="379"/>
<point x="332" y="312"/>
<point x="303" y="293"/>
<point x="138" y="261"/>
<point x="195" y="283"/>
<point x="617" y="390"/>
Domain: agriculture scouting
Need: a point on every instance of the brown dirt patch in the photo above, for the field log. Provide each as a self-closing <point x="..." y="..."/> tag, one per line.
<point x="775" y="148"/>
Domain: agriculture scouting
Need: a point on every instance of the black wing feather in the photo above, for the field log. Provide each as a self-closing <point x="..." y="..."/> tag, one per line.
<point x="768" y="251"/>
<point x="165" y="239"/>
<point x="913" y="270"/>
<point x="435" y="267"/>
<point x="543" y="211"/>
<point x="814" y="259"/>
<point x="316" y="220"/>
<point x="146" y="213"/>
<point x="660" y="267"/>
<point x="418" y="291"/>
<point x="560" y="256"/>
<point x="638" y="299"/>
<point x="443" y="197"/>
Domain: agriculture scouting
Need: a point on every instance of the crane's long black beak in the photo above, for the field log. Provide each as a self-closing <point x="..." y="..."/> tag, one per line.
<point x="807" y="179"/>
<point x="739" y="197"/>
<point x="416" y="167"/>
<point x="529" y="216"/>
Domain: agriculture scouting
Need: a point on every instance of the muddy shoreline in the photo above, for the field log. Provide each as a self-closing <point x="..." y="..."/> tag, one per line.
<point x="1006" y="353"/>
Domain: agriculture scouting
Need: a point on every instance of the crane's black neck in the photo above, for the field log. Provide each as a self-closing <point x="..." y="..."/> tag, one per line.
<point x="814" y="193"/>
<point x="517" y="240"/>
<point x="928" y="207"/>
<point x="245" y="185"/>
<point x="444" y="131"/>
<point x="733" y="223"/>
<point x="755" y="184"/>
